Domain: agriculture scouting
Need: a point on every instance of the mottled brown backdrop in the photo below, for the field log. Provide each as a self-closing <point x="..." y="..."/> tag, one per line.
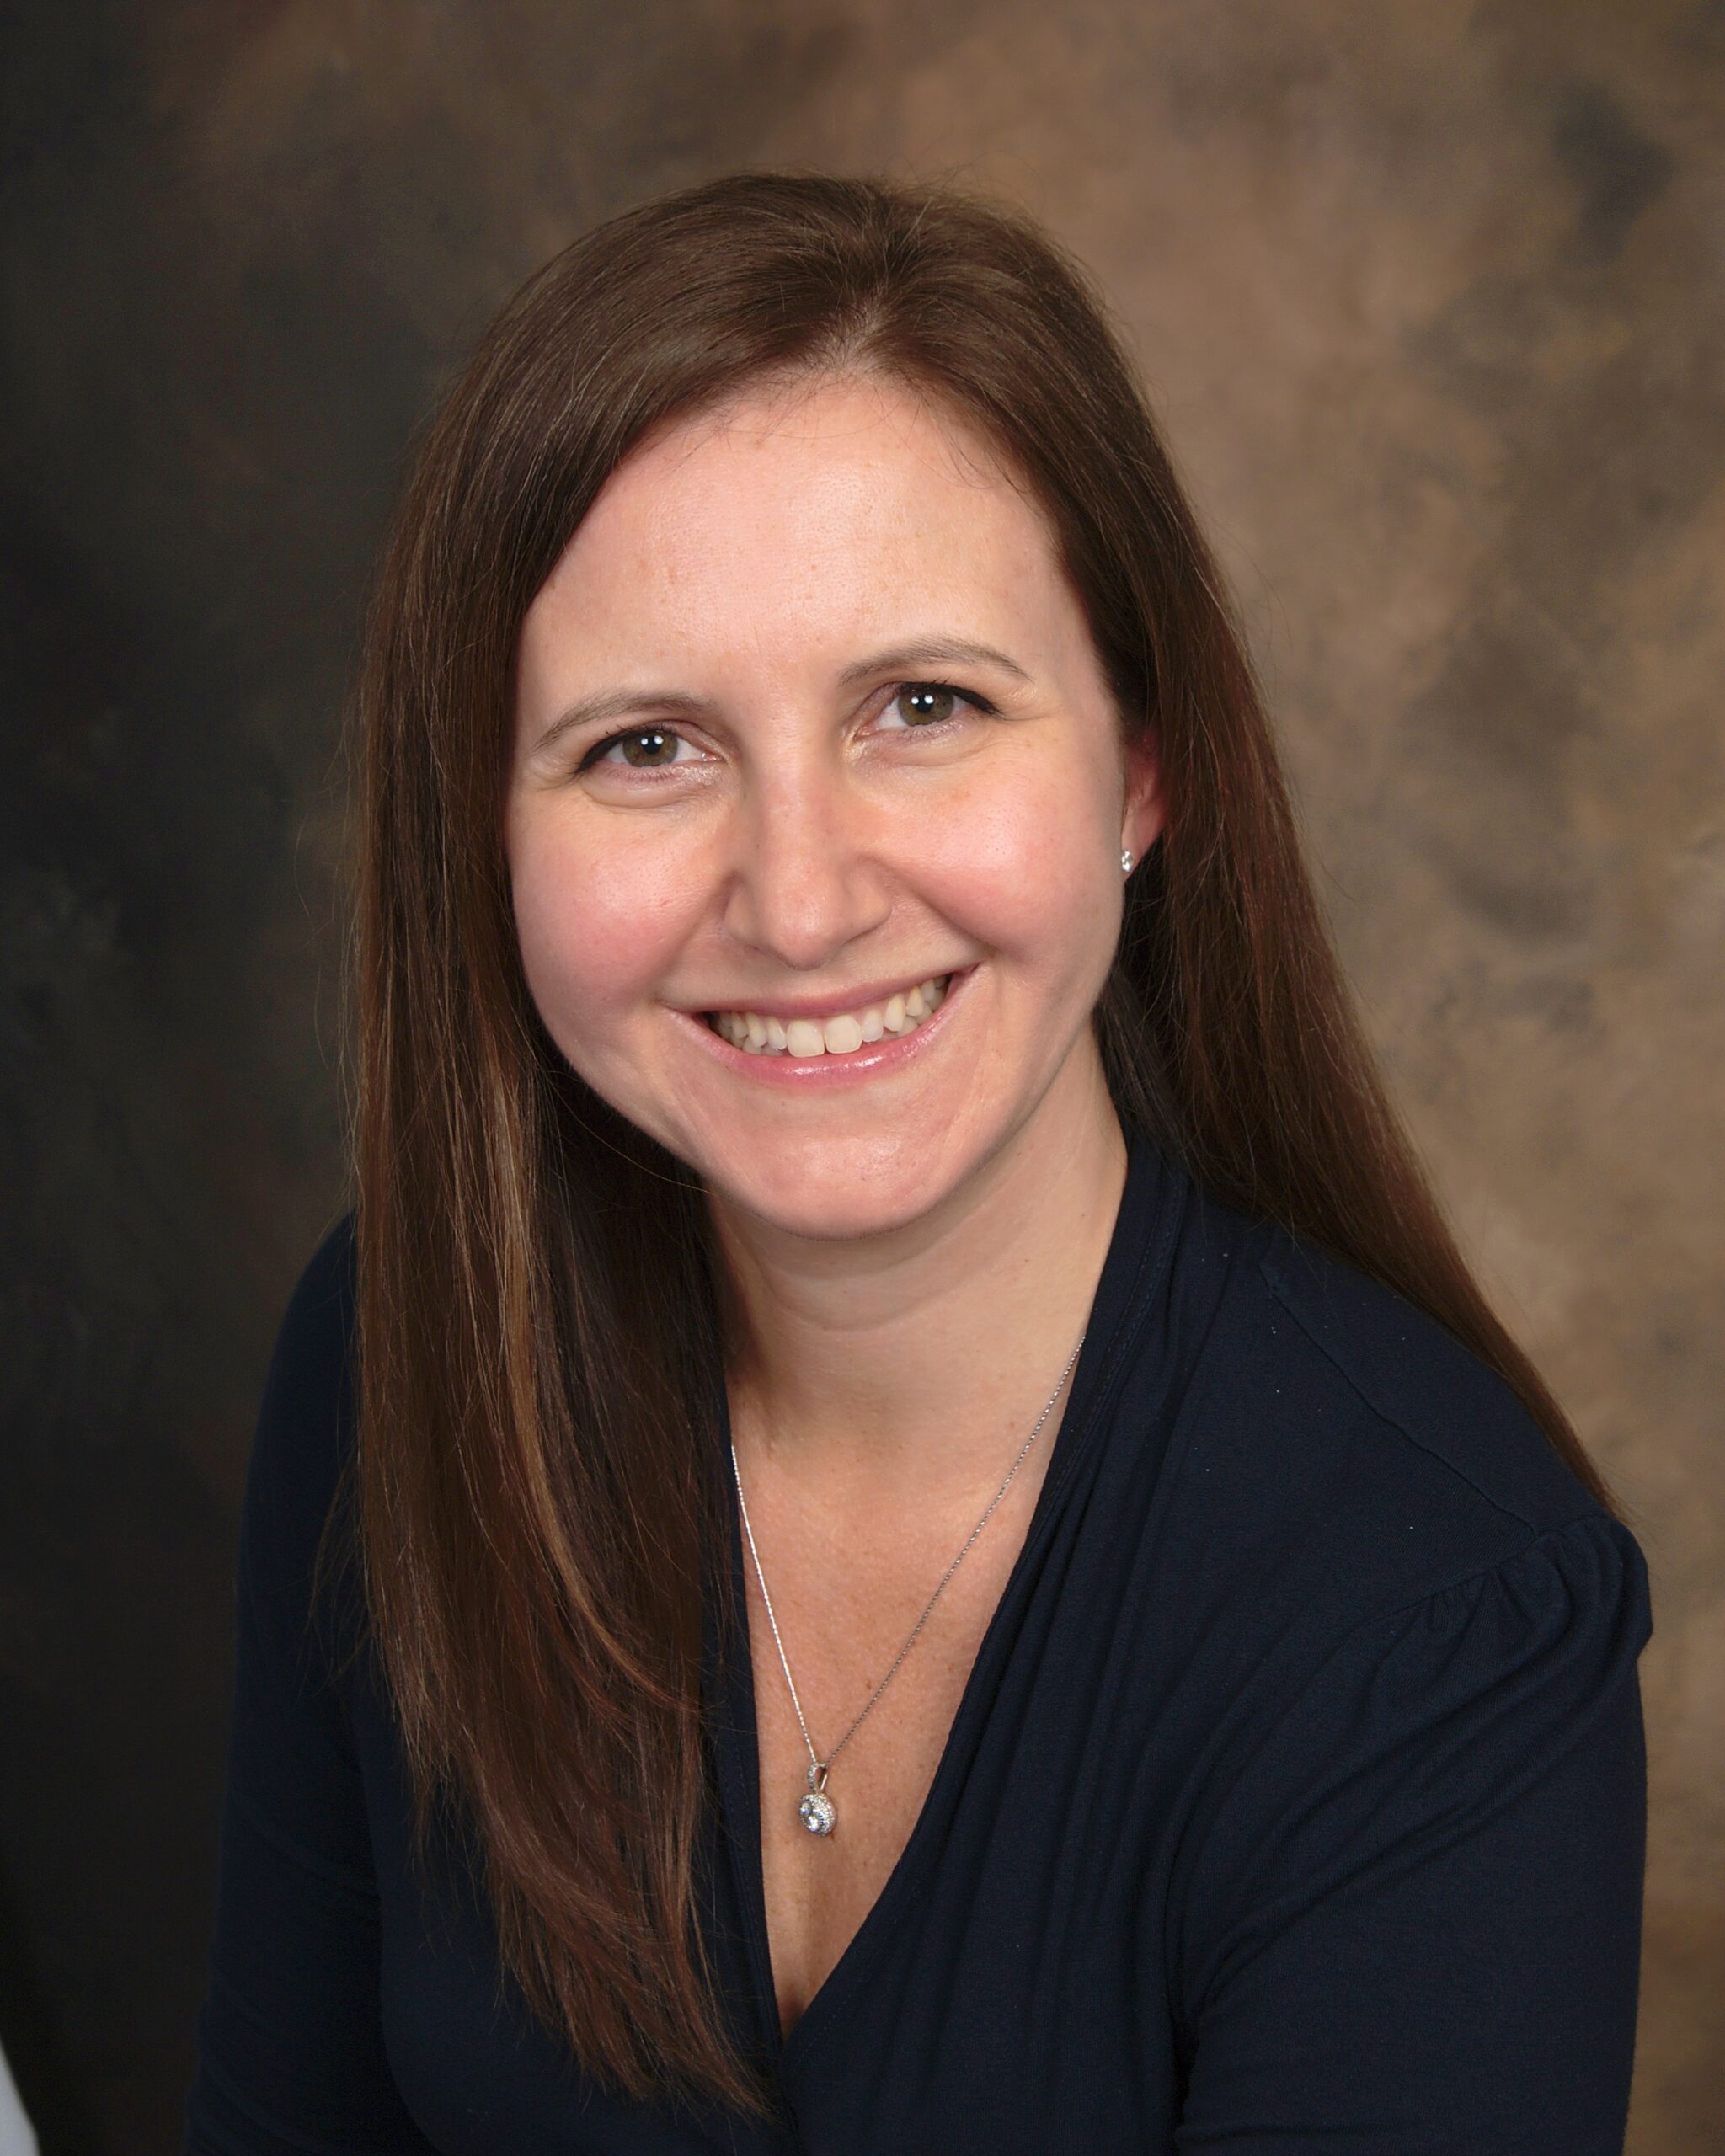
<point x="1430" y="295"/>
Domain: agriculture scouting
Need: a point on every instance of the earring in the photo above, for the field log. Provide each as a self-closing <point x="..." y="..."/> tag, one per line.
<point x="1125" y="863"/>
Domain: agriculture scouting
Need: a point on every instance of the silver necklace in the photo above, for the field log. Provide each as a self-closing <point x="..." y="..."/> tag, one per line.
<point x="815" y="1810"/>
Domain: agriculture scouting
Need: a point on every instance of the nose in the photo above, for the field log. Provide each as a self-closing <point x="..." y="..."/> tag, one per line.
<point x="806" y="876"/>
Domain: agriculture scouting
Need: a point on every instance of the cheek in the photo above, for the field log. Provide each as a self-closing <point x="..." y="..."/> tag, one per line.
<point x="1024" y="869"/>
<point x="596" y="931"/>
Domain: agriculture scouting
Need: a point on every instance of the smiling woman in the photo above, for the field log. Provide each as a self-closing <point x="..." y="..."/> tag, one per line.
<point x="895" y="1522"/>
<point x="814" y="837"/>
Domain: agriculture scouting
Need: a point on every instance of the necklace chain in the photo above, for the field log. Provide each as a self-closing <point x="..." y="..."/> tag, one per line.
<point x="816" y="1808"/>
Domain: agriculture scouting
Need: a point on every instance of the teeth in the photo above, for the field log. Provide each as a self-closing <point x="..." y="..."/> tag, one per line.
<point x="758" y="1033"/>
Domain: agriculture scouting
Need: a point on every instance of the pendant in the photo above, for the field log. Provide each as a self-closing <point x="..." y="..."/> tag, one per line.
<point x="815" y="1811"/>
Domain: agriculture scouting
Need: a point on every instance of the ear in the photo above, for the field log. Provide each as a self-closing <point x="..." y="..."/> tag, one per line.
<point x="1144" y="811"/>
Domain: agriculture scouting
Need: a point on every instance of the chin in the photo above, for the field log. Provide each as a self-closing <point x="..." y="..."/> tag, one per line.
<point x="827" y="1189"/>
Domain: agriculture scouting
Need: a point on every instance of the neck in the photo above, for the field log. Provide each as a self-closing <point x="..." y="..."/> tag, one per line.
<point x="923" y="1351"/>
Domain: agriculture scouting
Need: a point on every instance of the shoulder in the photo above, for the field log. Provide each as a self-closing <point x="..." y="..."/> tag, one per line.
<point x="1341" y="1442"/>
<point x="303" y="1441"/>
<point x="1395" y="1369"/>
<point x="1362" y="1547"/>
<point x="306" y="1412"/>
<point x="313" y="1345"/>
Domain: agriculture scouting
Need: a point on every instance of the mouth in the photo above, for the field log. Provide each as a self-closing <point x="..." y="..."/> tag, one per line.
<point x="844" y="1032"/>
<point x="885" y="1034"/>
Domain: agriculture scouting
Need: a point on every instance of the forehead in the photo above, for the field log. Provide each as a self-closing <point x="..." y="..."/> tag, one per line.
<point x="811" y="515"/>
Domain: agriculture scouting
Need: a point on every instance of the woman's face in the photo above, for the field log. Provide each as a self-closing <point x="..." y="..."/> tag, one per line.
<point x="809" y="715"/>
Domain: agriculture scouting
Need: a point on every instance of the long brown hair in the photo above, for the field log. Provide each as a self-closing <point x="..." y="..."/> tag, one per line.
<point x="539" y="1310"/>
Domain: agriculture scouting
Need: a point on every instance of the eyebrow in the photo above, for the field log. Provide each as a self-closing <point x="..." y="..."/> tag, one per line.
<point x="928" y="651"/>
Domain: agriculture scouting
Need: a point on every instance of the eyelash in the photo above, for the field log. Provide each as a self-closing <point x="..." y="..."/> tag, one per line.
<point x="979" y="704"/>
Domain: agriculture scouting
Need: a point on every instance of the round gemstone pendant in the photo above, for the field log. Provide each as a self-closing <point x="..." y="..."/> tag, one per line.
<point x="815" y="1811"/>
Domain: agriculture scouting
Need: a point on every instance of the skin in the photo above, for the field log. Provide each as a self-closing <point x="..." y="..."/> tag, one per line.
<point x="912" y="1257"/>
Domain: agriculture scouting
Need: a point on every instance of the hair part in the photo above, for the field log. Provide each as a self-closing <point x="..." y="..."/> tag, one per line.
<point x="539" y="1514"/>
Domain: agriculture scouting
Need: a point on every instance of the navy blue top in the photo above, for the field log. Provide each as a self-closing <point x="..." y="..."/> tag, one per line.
<point x="1295" y="1801"/>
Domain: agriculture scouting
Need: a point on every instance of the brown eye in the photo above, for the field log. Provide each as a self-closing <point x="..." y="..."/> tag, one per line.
<point x="934" y="703"/>
<point x="657" y="747"/>
<point x="927" y="702"/>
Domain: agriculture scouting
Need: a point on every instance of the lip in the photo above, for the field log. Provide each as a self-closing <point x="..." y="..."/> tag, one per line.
<point x="874" y="1058"/>
<point x="819" y="1007"/>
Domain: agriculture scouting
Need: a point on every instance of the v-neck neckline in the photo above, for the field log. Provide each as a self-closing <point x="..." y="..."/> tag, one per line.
<point x="1136" y="1258"/>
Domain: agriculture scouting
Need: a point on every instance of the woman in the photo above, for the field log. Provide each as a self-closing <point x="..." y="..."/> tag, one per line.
<point x="943" y="1552"/>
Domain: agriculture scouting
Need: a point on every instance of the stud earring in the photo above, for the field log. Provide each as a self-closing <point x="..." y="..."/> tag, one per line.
<point x="1125" y="863"/>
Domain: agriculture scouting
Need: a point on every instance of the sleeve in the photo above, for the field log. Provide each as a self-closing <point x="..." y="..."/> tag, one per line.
<point x="1414" y="1924"/>
<point x="290" y="2053"/>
